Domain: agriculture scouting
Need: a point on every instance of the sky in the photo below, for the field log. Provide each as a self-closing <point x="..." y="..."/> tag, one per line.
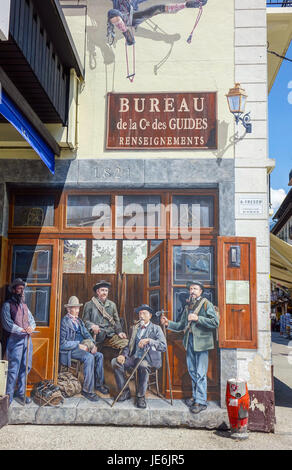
<point x="280" y="131"/>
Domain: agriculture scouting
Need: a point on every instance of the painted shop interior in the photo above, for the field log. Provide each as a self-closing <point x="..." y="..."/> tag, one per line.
<point x="47" y="218"/>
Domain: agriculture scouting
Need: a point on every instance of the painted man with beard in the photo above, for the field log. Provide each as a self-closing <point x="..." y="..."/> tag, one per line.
<point x="102" y="320"/>
<point x="198" y="322"/>
<point x="18" y="323"/>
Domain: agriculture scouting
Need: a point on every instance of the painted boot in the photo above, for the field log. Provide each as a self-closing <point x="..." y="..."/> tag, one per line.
<point x="126" y="32"/>
<point x="129" y="37"/>
<point x="195" y="3"/>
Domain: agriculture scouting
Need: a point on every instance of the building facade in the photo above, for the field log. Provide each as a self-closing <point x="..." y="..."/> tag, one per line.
<point x="153" y="180"/>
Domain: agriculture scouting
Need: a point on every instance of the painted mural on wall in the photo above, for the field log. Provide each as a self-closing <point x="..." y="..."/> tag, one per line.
<point x="108" y="314"/>
<point x="126" y="16"/>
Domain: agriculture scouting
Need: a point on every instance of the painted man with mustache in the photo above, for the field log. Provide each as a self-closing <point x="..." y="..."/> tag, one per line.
<point x="102" y="320"/>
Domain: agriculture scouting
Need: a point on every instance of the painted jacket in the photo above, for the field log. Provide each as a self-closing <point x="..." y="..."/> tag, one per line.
<point x="202" y="330"/>
<point x="91" y="316"/>
<point x="68" y="340"/>
<point x="8" y="324"/>
<point x="157" y="344"/>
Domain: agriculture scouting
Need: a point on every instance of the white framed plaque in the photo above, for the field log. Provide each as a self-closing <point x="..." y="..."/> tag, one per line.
<point x="237" y="292"/>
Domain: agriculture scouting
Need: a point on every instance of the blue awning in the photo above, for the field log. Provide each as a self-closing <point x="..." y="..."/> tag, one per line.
<point x="28" y="132"/>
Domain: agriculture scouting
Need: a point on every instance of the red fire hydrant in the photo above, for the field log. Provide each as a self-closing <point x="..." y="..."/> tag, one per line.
<point x="237" y="402"/>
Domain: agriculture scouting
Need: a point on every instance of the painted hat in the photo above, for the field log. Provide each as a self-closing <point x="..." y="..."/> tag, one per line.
<point x="15" y="283"/>
<point x="144" y="307"/>
<point x="101" y="284"/>
<point x="73" y="302"/>
<point x="195" y="283"/>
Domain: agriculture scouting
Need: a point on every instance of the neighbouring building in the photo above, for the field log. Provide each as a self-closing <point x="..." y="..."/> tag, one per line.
<point x="283" y="219"/>
<point x="125" y="163"/>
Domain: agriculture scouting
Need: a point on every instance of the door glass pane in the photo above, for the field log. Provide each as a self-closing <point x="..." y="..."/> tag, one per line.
<point x="74" y="259"/>
<point x="38" y="302"/>
<point x="193" y="263"/>
<point x="192" y="211"/>
<point x="134" y="254"/>
<point x="154" y="303"/>
<point x="32" y="263"/>
<point x="154" y="271"/>
<point x="33" y="211"/>
<point x="138" y="211"/>
<point x="154" y="244"/>
<point x="85" y="211"/>
<point x="104" y="257"/>
<point x="180" y="296"/>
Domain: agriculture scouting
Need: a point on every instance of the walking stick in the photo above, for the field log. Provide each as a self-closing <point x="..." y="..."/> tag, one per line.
<point x="26" y="365"/>
<point x="158" y="314"/>
<point x="129" y="378"/>
<point x="168" y="367"/>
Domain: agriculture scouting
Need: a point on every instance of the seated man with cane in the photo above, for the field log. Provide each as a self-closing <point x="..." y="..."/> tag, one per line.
<point x="143" y="351"/>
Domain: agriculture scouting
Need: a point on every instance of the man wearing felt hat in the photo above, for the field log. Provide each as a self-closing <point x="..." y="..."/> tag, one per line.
<point x="198" y="321"/>
<point x="77" y="343"/>
<point x="101" y="318"/>
<point x="18" y="325"/>
<point x="145" y="334"/>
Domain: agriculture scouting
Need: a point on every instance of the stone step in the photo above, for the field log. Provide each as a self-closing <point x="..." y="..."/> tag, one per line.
<point x="78" y="410"/>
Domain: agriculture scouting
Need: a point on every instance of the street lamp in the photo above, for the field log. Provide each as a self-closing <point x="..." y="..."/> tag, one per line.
<point x="236" y="101"/>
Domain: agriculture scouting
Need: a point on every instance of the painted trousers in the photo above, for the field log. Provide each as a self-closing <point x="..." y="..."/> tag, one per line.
<point x="139" y="16"/>
<point x="92" y="368"/>
<point x="143" y="15"/>
<point x="197" y="363"/>
<point x="16" y="351"/>
<point x="142" y="372"/>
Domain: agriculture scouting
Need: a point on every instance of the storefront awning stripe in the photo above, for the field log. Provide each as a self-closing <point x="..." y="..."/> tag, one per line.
<point x="28" y="132"/>
<point x="281" y="265"/>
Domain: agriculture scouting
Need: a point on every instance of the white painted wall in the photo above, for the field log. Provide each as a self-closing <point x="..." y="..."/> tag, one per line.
<point x="4" y="19"/>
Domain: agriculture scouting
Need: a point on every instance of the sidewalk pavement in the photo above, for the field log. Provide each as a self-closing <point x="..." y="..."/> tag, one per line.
<point x="115" y="438"/>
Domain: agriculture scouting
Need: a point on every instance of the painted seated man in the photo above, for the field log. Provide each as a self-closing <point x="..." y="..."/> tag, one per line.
<point x="198" y="321"/>
<point x="101" y="318"/>
<point x="18" y="325"/>
<point x="125" y="13"/>
<point x="77" y="343"/>
<point x="145" y="334"/>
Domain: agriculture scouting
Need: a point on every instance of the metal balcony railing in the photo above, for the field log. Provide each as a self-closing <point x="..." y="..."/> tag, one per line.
<point x="279" y="3"/>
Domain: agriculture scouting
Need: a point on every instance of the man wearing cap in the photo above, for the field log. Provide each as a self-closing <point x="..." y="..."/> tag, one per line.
<point x="198" y="321"/>
<point x="144" y="335"/>
<point x="102" y="320"/>
<point x="77" y="343"/>
<point x="18" y="324"/>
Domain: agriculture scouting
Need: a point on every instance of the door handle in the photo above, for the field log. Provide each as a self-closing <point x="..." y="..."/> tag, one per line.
<point x="238" y="310"/>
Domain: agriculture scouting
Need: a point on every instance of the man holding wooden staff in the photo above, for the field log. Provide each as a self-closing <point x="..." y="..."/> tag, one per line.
<point x="19" y="324"/>
<point x="198" y="321"/>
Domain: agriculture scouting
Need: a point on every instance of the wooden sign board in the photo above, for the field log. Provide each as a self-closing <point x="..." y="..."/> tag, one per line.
<point x="162" y="121"/>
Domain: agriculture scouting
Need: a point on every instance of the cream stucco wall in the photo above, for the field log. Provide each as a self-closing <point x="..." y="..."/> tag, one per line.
<point x="205" y="65"/>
